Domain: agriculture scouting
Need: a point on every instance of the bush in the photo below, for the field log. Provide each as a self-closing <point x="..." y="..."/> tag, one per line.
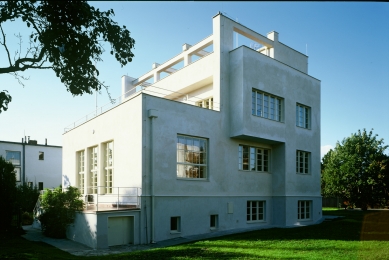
<point x="59" y="210"/>
<point x="27" y="197"/>
<point x="8" y="193"/>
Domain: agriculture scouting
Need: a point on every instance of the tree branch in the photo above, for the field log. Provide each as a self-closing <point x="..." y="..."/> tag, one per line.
<point x="5" y="46"/>
<point x="16" y="67"/>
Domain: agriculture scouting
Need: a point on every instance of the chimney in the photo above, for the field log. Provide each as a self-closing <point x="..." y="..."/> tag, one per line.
<point x="45" y="141"/>
<point x="28" y="138"/>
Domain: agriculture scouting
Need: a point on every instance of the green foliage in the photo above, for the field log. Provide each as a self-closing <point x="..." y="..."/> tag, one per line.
<point x="357" y="170"/>
<point x="67" y="37"/>
<point x="27" y="197"/>
<point x="8" y="193"/>
<point x="59" y="210"/>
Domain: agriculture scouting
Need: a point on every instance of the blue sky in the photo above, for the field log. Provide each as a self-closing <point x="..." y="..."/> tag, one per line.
<point x="347" y="45"/>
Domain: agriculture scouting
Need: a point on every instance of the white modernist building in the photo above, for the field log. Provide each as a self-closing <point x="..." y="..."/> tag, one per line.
<point x="229" y="140"/>
<point x="35" y="164"/>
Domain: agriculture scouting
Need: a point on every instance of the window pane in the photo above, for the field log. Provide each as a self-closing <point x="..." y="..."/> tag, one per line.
<point x="245" y="158"/>
<point x="259" y="159"/>
<point x="252" y="158"/>
<point x="266" y="106"/>
<point x="253" y="102"/>
<point x="259" y="104"/>
<point x="13" y="157"/>
<point x="272" y="108"/>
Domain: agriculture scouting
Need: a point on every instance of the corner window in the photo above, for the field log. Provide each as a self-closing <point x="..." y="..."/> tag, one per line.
<point x="93" y="164"/>
<point x="303" y="162"/>
<point x="175" y="224"/>
<point x="214" y="221"/>
<point x="266" y="105"/>
<point x="255" y="211"/>
<point x="108" y="167"/>
<point x="191" y="157"/>
<point x="304" y="209"/>
<point x="253" y="158"/>
<point x="41" y="156"/>
<point x="303" y="116"/>
<point x="81" y="171"/>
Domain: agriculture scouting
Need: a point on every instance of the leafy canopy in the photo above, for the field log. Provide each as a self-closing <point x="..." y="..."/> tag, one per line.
<point x="66" y="37"/>
<point x="357" y="170"/>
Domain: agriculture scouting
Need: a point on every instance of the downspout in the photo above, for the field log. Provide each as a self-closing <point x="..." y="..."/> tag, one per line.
<point x="152" y="113"/>
<point x="24" y="162"/>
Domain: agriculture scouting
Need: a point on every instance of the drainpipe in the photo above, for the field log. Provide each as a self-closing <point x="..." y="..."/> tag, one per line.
<point x="152" y="113"/>
<point x="24" y="161"/>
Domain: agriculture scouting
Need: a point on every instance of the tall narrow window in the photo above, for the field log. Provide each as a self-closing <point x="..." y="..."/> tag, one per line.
<point x="253" y="158"/>
<point x="191" y="157"/>
<point x="108" y="167"/>
<point x="266" y="105"/>
<point x="81" y="171"/>
<point x="175" y="224"/>
<point x="302" y="162"/>
<point x="214" y="221"/>
<point x="304" y="209"/>
<point x="303" y="116"/>
<point x="15" y="158"/>
<point x="94" y="169"/>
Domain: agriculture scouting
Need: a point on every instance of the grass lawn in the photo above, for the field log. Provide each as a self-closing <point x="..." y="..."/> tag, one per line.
<point x="360" y="235"/>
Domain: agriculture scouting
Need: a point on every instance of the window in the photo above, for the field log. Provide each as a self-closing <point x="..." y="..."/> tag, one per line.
<point x="191" y="157"/>
<point x="304" y="209"/>
<point x="214" y="221"/>
<point x="81" y="171"/>
<point x="15" y="158"/>
<point x="302" y="162"/>
<point x="41" y="156"/>
<point x="266" y="105"/>
<point x="94" y="168"/>
<point x="40" y="185"/>
<point x="255" y="211"/>
<point x="175" y="224"/>
<point x="108" y="167"/>
<point x="303" y="116"/>
<point x="206" y="103"/>
<point x="253" y="158"/>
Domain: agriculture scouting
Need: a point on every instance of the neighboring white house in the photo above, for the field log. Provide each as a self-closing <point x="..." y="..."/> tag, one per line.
<point x="35" y="164"/>
<point x="230" y="140"/>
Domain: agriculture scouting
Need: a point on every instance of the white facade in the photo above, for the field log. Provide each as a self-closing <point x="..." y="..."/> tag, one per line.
<point x="231" y="140"/>
<point x="34" y="163"/>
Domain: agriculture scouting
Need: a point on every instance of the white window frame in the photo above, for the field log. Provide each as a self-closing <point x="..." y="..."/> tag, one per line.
<point x="176" y="220"/>
<point x="205" y="103"/>
<point x="108" y="167"/>
<point x="94" y="168"/>
<point x="303" y="116"/>
<point x="258" y="158"/>
<point x="192" y="157"/>
<point x="303" y="162"/>
<point x="81" y="170"/>
<point x="304" y="209"/>
<point x="266" y="105"/>
<point x="256" y="211"/>
<point x="10" y="157"/>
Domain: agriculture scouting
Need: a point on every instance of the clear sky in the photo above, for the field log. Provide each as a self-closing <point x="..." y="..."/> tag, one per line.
<point x="347" y="45"/>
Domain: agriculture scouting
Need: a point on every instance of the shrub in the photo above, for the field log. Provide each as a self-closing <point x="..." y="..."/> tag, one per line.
<point x="7" y="194"/>
<point x="59" y="210"/>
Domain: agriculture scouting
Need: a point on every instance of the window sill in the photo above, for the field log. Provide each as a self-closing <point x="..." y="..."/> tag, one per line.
<point x="174" y="232"/>
<point x="192" y="179"/>
<point x="305" y="219"/>
<point x="299" y="173"/>
<point x="300" y="127"/>
<point x="213" y="229"/>
<point x="256" y="221"/>
<point x="254" y="171"/>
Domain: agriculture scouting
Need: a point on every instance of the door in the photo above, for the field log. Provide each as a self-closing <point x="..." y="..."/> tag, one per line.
<point x="120" y="231"/>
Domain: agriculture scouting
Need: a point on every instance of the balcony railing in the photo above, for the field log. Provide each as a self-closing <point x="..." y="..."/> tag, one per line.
<point x="102" y="198"/>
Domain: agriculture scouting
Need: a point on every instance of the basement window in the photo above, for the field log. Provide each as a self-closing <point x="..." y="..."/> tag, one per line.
<point x="175" y="224"/>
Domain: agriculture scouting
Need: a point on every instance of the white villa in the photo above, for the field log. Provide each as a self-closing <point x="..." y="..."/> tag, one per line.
<point x="230" y="140"/>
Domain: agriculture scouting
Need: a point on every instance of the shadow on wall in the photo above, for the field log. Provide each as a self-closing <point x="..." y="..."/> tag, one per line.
<point x="82" y="231"/>
<point x="66" y="181"/>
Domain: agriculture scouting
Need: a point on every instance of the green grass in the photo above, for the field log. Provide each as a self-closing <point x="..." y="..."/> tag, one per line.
<point x="360" y="235"/>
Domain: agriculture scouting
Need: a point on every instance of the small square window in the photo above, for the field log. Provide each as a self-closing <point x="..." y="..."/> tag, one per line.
<point x="41" y="156"/>
<point x="214" y="221"/>
<point x="175" y="224"/>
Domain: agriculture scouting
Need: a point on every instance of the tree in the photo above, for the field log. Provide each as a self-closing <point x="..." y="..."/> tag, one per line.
<point x="66" y="37"/>
<point x="357" y="170"/>
<point x="7" y="193"/>
<point x="59" y="210"/>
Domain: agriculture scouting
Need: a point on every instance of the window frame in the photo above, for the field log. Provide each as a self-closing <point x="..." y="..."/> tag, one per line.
<point x="108" y="169"/>
<point x="303" y="162"/>
<point x="81" y="170"/>
<point x="94" y="168"/>
<point x="302" y="212"/>
<point x="267" y="106"/>
<point x="303" y="120"/>
<point x="177" y="224"/>
<point x="12" y="160"/>
<point x="259" y="204"/>
<point x="191" y="170"/>
<point x="214" y="221"/>
<point x="253" y="160"/>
